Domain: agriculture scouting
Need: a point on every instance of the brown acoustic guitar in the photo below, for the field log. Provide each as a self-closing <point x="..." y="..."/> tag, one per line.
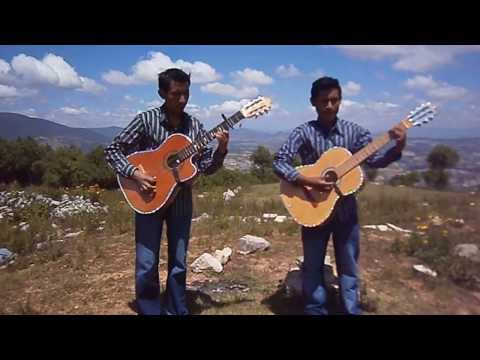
<point x="310" y="207"/>
<point x="172" y="163"/>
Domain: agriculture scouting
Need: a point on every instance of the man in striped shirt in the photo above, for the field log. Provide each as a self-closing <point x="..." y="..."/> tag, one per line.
<point x="309" y="141"/>
<point x="147" y="131"/>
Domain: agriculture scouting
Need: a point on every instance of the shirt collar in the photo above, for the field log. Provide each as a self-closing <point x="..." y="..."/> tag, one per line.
<point x="336" y="128"/>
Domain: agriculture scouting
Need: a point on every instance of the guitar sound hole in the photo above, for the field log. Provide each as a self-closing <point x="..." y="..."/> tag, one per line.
<point x="331" y="176"/>
<point x="173" y="161"/>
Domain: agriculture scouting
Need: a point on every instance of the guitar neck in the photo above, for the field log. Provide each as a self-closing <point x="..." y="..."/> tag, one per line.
<point x="204" y="140"/>
<point x="363" y="154"/>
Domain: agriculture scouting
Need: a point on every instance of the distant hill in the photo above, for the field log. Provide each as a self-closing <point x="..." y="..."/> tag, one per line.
<point x="110" y="132"/>
<point x="45" y="131"/>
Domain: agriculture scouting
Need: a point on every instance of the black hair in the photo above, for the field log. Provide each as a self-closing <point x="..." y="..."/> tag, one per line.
<point x="325" y="83"/>
<point x="165" y="77"/>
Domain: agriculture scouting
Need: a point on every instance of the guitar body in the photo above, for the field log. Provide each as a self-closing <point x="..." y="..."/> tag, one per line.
<point x="310" y="207"/>
<point x="155" y="164"/>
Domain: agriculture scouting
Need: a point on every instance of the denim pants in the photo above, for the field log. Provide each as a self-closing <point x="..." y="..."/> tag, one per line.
<point x="345" y="232"/>
<point x="148" y="232"/>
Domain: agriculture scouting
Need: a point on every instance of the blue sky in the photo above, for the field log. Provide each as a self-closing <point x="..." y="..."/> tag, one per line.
<point x="98" y="86"/>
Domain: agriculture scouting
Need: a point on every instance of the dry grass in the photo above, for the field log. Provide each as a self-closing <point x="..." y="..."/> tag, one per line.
<point x="93" y="273"/>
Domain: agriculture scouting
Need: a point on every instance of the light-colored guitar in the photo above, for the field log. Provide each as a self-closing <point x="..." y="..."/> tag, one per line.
<point x="310" y="207"/>
<point x="172" y="162"/>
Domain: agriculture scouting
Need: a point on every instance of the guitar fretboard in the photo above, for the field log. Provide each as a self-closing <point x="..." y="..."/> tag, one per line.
<point x="203" y="141"/>
<point x="363" y="154"/>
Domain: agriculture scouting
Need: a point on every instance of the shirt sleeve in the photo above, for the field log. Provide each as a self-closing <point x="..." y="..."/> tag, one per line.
<point x="283" y="159"/>
<point x="122" y="144"/>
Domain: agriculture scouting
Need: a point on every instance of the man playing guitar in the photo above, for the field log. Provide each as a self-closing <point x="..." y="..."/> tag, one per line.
<point x="148" y="130"/>
<point x="310" y="140"/>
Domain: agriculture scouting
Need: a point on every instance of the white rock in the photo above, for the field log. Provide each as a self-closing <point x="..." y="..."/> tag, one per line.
<point x="201" y="217"/>
<point x="206" y="261"/>
<point x="469" y="251"/>
<point x="269" y="216"/>
<point x="71" y="235"/>
<point x="458" y="222"/>
<point x="396" y="228"/>
<point x="227" y="195"/>
<point x="383" y="228"/>
<point x="249" y="244"/>
<point x="425" y="270"/>
<point x="280" y="219"/>
<point x="437" y="221"/>
<point x="223" y="255"/>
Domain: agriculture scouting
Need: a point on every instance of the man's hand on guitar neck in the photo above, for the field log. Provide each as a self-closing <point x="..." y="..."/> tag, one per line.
<point x="223" y="137"/>
<point x="399" y="134"/>
<point x="316" y="182"/>
<point x="145" y="182"/>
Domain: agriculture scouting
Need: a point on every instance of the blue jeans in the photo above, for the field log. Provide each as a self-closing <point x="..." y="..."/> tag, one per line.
<point x="346" y="235"/>
<point x="148" y="232"/>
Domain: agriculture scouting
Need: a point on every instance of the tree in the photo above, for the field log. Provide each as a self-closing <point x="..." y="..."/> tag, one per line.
<point x="262" y="165"/>
<point x="440" y="158"/>
<point x="406" y="179"/>
<point x="436" y="178"/>
<point x="102" y="174"/>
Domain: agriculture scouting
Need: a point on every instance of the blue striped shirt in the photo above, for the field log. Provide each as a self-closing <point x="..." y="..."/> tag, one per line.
<point x="150" y="129"/>
<point x="310" y="140"/>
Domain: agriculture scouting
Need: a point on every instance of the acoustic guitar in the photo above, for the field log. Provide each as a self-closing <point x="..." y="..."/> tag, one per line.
<point x="172" y="163"/>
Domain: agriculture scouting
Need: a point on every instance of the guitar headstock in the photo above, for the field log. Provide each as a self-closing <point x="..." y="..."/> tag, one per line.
<point x="422" y="114"/>
<point x="257" y="107"/>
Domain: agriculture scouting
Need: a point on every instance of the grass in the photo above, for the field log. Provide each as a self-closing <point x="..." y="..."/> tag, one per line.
<point x="96" y="252"/>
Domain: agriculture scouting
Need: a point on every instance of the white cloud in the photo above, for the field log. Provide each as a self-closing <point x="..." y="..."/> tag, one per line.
<point x="4" y="67"/>
<point x="128" y="97"/>
<point x="5" y="72"/>
<point x="351" y="88"/>
<point x="146" y="71"/>
<point x="8" y="91"/>
<point x="74" y="111"/>
<point x="51" y="70"/>
<point x="116" y="77"/>
<point x="252" y="76"/>
<point x="67" y="76"/>
<point x="33" y="71"/>
<point x="436" y="89"/>
<point x="227" y="107"/>
<point x="287" y="71"/>
<point x="317" y="73"/>
<point x="154" y="104"/>
<point x="371" y="114"/>
<point x="415" y="58"/>
<point x="229" y="90"/>
<point x="90" y="86"/>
